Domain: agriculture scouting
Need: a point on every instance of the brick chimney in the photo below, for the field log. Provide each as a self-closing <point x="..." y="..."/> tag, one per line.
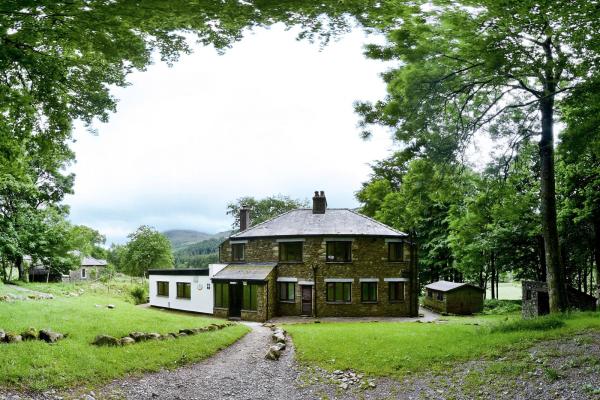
<point x="319" y="203"/>
<point x="244" y="218"/>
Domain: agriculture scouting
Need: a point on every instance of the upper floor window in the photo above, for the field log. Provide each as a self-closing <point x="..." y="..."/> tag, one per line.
<point x="238" y="251"/>
<point x="396" y="251"/>
<point x="162" y="288"/>
<point x="290" y="251"/>
<point x="339" y="251"/>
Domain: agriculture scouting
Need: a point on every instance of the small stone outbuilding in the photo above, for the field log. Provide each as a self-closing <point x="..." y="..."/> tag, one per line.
<point x="536" y="301"/>
<point x="454" y="297"/>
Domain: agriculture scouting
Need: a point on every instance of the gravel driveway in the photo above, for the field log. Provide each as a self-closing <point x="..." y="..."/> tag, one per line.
<point x="239" y="371"/>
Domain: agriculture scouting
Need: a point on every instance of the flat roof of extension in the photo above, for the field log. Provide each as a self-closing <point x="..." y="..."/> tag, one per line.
<point x="180" y="271"/>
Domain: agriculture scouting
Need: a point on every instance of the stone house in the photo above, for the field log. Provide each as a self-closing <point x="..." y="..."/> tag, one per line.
<point x="536" y="301"/>
<point x="319" y="262"/>
<point x="89" y="269"/>
<point x="454" y="297"/>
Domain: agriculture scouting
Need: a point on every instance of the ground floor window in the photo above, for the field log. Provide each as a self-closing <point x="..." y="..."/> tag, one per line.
<point x="221" y="295"/>
<point x="184" y="290"/>
<point x="249" y="298"/>
<point x="339" y="292"/>
<point x="368" y="291"/>
<point x="287" y="291"/>
<point x="83" y="272"/>
<point x="162" y="288"/>
<point x="396" y="291"/>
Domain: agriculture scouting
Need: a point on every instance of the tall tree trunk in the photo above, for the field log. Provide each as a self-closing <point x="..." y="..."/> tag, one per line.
<point x="542" y="254"/>
<point x="493" y="278"/>
<point x="497" y="284"/>
<point x="555" y="277"/>
<point x="597" y="253"/>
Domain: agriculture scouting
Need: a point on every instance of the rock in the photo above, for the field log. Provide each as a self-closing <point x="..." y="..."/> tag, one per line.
<point x="278" y="337"/>
<point x="30" y="334"/>
<point x="126" y="341"/>
<point x="13" y="338"/>
<point x="280" y="346"/>
<point x="338" y="372"/>
<point x="49" y="336"/>
<point x="344" y="386"/>
<point x="138" y="336"/>
<point x="372" y="385"/>
<point x="111" y="306"/>
<point x="2" y="336"/>
<point x="106" y="340"/>
<point x="273" y="353"/>
<point x="152" y="336"/>
<point x="188" y="331"/>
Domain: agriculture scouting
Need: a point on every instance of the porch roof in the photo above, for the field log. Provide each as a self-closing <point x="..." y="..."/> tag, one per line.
<point x="245" y="272"/>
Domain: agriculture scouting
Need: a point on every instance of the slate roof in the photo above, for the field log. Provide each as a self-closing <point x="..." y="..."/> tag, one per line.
<point x="92" y="262"/>
<point x="445" y="286"/>
<point x="245" y="272"/>
<point x="335" y="221"/>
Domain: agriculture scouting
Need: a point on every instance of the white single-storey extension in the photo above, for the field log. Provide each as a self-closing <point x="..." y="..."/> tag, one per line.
<point x="183" y="289"/>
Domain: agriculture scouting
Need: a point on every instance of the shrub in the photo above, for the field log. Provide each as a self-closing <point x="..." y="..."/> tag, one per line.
<point x="500" y="307"/>
<point x="139" y="294"/>
<point x="536" y="324"/>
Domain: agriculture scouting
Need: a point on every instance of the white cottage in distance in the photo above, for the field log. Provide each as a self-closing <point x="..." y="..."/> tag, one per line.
<point x="183" y="289"/>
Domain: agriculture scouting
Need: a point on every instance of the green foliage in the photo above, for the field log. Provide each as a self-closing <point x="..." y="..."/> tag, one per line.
<point x="535" y="324"/>
<point x="88" y="241"/>
<point x="37" y="366"/>
<point x="501" y="307"/>
<point x="139" y="294"/>
<point x="147" y="249"/>
<point x="263" y="209"/>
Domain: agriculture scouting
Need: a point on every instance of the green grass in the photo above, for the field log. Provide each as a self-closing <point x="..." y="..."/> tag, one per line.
<point x="74" y="361"/>
<point x="398" y="349"/>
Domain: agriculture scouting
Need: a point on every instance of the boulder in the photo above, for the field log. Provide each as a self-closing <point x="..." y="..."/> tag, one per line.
<point x="280" y="346"/>
<point x="273" y="353"/>
<point x="106" y="340"/>
<point x="278" y="337"/>
<point x="152" y="336"/>
<point x="49" y="336"/>
<point x="2" y="336"/>
<point x="30" y="334"/>
<point x="126" y="341"/>
<point x="111" y="306"/>
<point x="13" y="338"/>
<point x="188" y="331"/>
<point x="138" y="336"/>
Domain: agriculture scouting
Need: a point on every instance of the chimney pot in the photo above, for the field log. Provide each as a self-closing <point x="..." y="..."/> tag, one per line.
<point x="319" y="203"/>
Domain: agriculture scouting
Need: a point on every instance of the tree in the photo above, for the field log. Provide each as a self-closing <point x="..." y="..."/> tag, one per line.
<point x="116" y="256"/>
<point x="263" y="209"/>
<point x="147" y="248"/>
<point x="88" y="241"/>
<point x="468" y="66"/>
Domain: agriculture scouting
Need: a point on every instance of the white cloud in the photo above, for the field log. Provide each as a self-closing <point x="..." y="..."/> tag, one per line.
<point x="272" y="115"/>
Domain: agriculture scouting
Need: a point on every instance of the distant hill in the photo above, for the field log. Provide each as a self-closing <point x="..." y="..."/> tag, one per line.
<point x="182" y="237"/>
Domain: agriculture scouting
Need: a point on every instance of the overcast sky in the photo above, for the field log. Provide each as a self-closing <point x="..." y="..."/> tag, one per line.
<point x="271" y="116"/>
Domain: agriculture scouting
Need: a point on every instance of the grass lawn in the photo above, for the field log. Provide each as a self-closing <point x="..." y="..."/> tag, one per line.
<point x="75" y="362"/>
<point x="398" y="349"/>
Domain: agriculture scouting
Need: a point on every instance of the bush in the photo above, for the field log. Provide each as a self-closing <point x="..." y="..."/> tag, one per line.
<point x="500" y="307"/>
<point x="139" y="294"/>
<point x="536" y="324"/>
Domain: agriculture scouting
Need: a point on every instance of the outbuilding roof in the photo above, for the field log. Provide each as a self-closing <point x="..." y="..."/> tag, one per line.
<point x="245" y="272"/>
<point x="92" y="262"/>
<point x="445" y="286"/>
<point x="334" y="222"/>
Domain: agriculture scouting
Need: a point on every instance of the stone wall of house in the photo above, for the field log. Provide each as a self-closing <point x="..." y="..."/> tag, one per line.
<point x="91" y="273"/>
<point x="369" y="260"/>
